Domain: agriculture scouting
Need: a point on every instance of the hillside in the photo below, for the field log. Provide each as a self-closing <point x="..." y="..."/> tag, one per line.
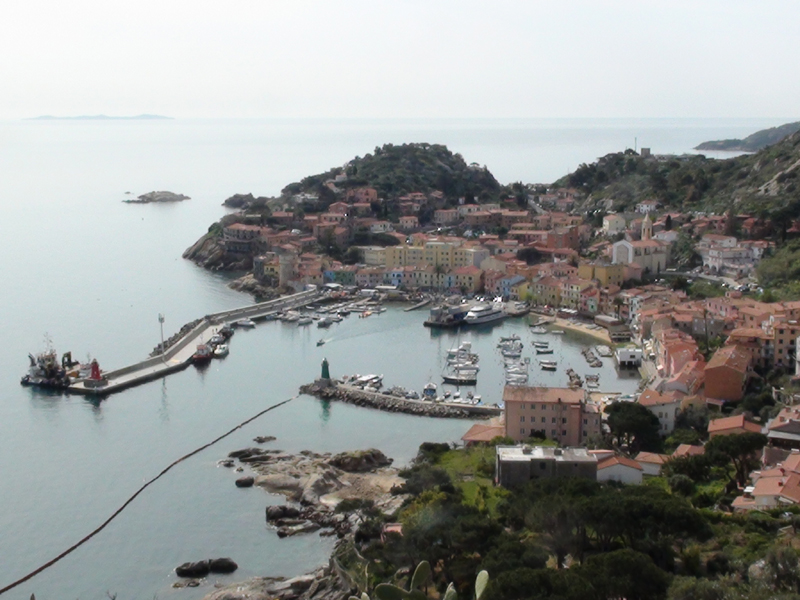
<point x="397" y="170"/>
<point x="754" y="142"/>
<point x="764" y="182"/>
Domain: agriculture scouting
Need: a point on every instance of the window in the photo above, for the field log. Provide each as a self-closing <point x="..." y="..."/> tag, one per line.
<point x="522" y="431"/>
<point x="542" y="466"/>
<point x="522" y="406"/>
<point x="563" y="420"/>
<point x="544" y="406"/>
<point x="554" y="420"/>
<point x="544" y="419"/>
<point x="563" y="432"/>
<point x="586" y="421"/>
<point x="584" y="433"/>
<point x="553" y="432"/>
<point x="522" y="419"/>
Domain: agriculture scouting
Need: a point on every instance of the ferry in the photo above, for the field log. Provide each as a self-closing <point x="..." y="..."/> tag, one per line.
<point x="485" y="313"/>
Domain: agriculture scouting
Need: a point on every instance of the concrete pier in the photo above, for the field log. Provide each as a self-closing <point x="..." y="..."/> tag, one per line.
<point x="179" y="356"/>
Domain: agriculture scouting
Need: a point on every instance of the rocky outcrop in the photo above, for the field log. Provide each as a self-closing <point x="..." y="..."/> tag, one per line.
<point x="245" y="482"/>
<point x="315" y="483"/>
<point x="263" y="439"/>
<point x="239" y="200"/>
<point x="206" y="252"/>
<point x="249" y="284"/>
<point x="193" y="569"/>
<point x="222" y="565"/>
<point x="157" y="197"/>
<point x="360" y="461"/>
<point x="324" y="584"/>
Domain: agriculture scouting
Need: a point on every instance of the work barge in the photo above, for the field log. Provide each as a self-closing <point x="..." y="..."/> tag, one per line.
<point x="179" y="352"/>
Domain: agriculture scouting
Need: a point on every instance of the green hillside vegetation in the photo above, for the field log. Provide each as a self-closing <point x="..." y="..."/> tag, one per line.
<point x="754" y="142"/>
<point x="398" y="170"/>
<point x="579" y="539"/>
<point x="765" y="183"/>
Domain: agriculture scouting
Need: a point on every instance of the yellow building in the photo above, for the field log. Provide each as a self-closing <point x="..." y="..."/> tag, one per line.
<point x="605" y="274"/>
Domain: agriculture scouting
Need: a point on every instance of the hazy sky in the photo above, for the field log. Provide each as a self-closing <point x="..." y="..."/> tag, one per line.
<point x="401" y="58"/>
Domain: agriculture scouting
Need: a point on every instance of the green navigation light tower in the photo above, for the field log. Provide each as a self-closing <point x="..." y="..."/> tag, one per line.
<point x="326" y="373"/>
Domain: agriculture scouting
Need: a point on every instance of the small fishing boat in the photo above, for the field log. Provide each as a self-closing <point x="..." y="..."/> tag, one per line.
<point x="245" y="323"/>
<point x="320" y="342"/>
<point x="544" y="351"/>
<point x="557" y="331"/>
<point x="323" y="322"/>
<point x="221" y="351"/>
<point x="548" y="365"/>
<point x="304" y="321"/>
<point x="203" y="354"/>
<point x="538" y="329"/>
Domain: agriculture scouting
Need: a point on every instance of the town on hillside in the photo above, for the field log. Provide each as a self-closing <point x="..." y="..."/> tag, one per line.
<point x="677" y="291"/>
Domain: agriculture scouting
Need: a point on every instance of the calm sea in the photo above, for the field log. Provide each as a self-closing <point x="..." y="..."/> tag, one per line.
<point x="93" y="273"/>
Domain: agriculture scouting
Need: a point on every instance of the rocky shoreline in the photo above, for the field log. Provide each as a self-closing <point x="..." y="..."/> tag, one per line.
<point x="387" y="403"/>
<point x="313" y="485"/>
<point x="152" y="197"/>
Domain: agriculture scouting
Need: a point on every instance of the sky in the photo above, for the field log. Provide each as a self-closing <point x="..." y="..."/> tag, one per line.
<point x="400" y="58"/>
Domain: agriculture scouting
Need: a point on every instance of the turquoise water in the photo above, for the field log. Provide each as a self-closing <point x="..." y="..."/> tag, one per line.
<point x="94" y="273"/>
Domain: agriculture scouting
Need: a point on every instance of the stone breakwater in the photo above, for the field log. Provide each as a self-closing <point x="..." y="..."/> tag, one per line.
<point x="394" y="404"/>
<point x="175" y="338"/>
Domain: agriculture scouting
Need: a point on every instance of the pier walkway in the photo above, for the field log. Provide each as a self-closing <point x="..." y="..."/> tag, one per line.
<point x="179" y="355"/>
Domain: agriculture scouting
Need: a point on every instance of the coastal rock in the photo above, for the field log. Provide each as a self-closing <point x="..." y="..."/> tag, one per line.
<point x="307" y="527"/>
<point x="238" y="200"/>
<point x="245" y="482"/>
<point x="263" y="439"/>
<point x="360" y="461"/>
<point x="222" y="565"/>
<point x="250" y="284"/>
<point x="193" y="569"/>
<point x="282" y="511"/>
<point x="157" y="197"/>
<point x="281" y="483"/>
<point x="245" y="452"/>
<point x="324" y="584"/>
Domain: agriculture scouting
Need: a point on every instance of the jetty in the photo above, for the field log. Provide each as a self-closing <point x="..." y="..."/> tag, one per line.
<point x="333" y="390"/>
<point x="178" y="354"/>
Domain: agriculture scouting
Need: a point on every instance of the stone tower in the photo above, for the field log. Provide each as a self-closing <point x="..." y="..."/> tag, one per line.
<point x="647" y="227"/>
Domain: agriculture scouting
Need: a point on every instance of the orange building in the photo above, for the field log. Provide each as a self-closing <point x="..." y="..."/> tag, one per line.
<point x="731" y="425"/>
<point x="727" y="373"/>
<point x="561" y="414"/>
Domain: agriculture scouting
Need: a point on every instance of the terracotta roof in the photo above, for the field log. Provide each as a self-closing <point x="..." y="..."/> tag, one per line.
<point x="483" y="433"/>
<point x="688" y="450"/>
<point x="652" y="457"/>
<point x="514" y="393"/>
<point x="618" y="460"/>
<point x="653" y="398"/>
<point x="735" y="422"/>
<point x="732" y="357"/>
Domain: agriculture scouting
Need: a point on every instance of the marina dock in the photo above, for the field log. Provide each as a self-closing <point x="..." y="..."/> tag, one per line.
<point x="178" y="356"/>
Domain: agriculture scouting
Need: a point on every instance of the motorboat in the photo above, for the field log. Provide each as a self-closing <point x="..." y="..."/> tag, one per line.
<point x="221" y="351"/>
<point x="323" y="322"/>
<point x="485" y="313"/>
<point x="320" y="342"/>
<point x="429" y="391"/>
<point x="548" y="365"/>
<point x="538" y="329"/>
<point x="557" y="331"/>
<point x="544" y="350"/>
<point x="305" y="321"/>
<point x="245" y="323"/>
<point x="510" y="338"/>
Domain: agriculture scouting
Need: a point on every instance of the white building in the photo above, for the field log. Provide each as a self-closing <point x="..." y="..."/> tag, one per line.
<point x="647" y="206"/>
<point x="620" y="469"/>
<point x="614" y="224"/>
<point x="666" y="407"/>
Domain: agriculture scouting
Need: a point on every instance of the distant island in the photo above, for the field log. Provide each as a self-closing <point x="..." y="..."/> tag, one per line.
<point x="157" y="197"/>
<point x="755" y="142"/>
<point x="98" y="118"/>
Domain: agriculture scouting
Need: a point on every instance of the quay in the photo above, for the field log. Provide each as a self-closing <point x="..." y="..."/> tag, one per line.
<point x="333" y="390"/>
<point x="178" y="355"/>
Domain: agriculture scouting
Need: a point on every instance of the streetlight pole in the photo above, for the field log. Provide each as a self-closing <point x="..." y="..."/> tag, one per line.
<point x="161" y="323"/>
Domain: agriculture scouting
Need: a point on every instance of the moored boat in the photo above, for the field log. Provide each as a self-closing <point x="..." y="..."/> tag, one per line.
<point x="245" y="323"/>
<point x="203" y="354"/>
<point x="221" y="351"/>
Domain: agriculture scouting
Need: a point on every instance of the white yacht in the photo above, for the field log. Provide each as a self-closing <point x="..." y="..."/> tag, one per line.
<point x="485" y="313"/>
